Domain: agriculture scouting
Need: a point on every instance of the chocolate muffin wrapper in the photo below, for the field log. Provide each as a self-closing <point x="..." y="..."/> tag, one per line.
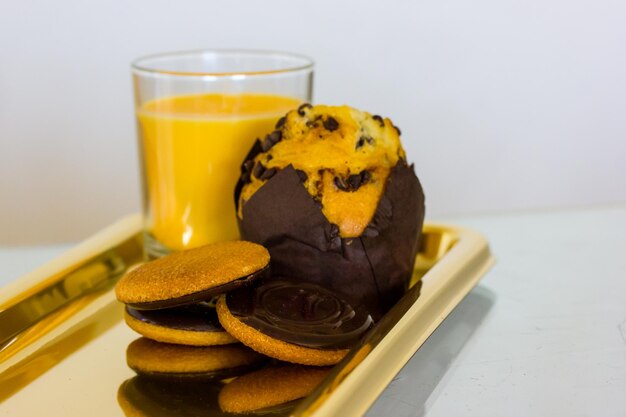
<point x="372" y="269"/>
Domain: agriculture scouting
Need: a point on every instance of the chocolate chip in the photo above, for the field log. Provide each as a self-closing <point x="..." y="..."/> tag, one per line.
<point x="247" y="166"/>
<point x="302" y="175"/>
<point x="281" y="122"/>
<point x="362" y="140"/>
<point x="303" y="107"/>
<point x="331" y="124"/>
<point x="318" y="195"/>
<point x="258" y="170"/>
<point x="379" y="120"/>
<point x="245" y="177"/>
<point x="341" y="184"/>
<point x="268" y="174"/>
<point x="276" y="136"/>
<point x="312" y="123"/>
<point x="268" y="158"/>
<point x="271" y="140"/>
<point x="354" y="181"/>
<point x="397" y="130"/>
<point x="266" y="145"/>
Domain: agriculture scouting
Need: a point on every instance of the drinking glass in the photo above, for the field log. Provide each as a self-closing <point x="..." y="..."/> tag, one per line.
<point x="198" y="114"/>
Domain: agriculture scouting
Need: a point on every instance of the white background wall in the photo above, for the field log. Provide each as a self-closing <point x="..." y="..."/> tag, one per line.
<point x="504" y="104"/>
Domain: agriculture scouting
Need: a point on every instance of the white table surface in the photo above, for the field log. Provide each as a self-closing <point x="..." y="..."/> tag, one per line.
<point x="544" y="333"/>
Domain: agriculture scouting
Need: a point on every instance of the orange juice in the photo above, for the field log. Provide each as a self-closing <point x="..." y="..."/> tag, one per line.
<point x="192" y="149"/>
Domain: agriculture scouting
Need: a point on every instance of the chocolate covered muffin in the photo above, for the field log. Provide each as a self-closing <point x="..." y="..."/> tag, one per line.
<point x="329" y="193"/>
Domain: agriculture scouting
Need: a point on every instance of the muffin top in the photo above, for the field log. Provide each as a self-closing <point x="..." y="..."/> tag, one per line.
<point x="342" y="155"/>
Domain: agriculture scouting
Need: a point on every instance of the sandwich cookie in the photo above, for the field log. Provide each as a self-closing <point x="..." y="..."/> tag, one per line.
<point x="293" y="321"/>
<point x="192" y="275"/>
<point x="156" y="359"/>
<point x="267" y="389"/>
<point x="194" y="325"/>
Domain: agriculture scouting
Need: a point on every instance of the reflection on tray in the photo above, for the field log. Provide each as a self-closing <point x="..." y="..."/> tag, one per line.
<point x="42" y="307"/>
<point x="159" y="397"/>
<point x="271" y="390"/>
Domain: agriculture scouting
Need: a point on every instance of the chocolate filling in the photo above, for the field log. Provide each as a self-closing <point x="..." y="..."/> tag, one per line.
<point x="301" y="313"/>
<point x="195" y="318"/>
<point x="199" y="296"/>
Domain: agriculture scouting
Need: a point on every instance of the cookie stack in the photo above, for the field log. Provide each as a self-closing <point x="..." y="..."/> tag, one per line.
<point x="260" y="321"/>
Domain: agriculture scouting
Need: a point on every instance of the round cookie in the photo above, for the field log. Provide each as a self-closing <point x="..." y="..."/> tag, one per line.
<point x="292" y="321"/>
<point x="270" y="387"/>
<point x="192" y="275"/>
<point x="193" y="325"/>
<point x="148" y="357"/>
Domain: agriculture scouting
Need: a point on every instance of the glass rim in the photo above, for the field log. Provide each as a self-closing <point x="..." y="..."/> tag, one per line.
<point x="138" y="65"/>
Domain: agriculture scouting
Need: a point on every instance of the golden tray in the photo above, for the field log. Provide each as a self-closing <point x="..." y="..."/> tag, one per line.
<point x="63" y="338"/>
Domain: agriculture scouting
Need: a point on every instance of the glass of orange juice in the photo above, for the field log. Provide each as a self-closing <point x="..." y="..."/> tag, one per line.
<point x="198" y="114"/>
